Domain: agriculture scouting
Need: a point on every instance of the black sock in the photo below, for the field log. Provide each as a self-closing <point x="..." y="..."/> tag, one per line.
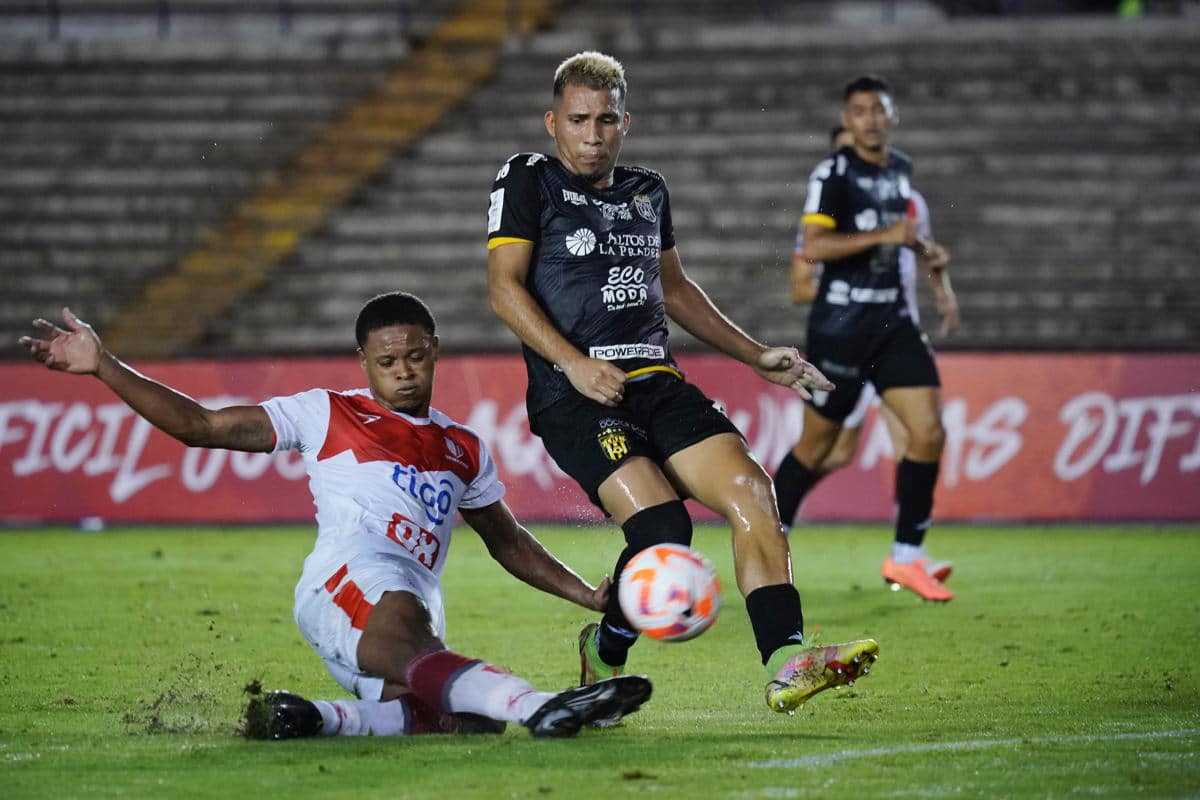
<point x="792" y="482"/>
<point x="616" y="634"/>
<point x="915" y="481"/>
<point x="776" y="617"/>
<point x="666" y="522"/>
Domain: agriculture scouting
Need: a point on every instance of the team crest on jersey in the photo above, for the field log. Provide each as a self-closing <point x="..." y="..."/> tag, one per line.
<point x="614" y="443"/>
<point x="645" y="209"/>
<point x="456" y="452"/>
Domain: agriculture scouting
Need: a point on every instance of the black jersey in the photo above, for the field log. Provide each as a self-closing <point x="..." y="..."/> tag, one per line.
<point x="595" y="265"/>
<point x="859" y="296"/>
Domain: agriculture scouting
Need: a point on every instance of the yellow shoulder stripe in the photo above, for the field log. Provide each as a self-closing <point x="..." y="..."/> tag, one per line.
<point x="824" y="220"/>
<point x="503" y="240"/>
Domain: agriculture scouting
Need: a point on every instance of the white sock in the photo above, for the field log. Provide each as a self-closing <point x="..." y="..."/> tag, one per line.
<point x="363" y="717"/>
<point x="906" y="553"/>
<point x="490" y="692"/>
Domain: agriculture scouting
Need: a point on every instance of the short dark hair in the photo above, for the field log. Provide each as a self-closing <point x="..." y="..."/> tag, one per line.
<point x="834" y="132"/>
<point x="866" y="83"/>
<point x="392" y="308"/>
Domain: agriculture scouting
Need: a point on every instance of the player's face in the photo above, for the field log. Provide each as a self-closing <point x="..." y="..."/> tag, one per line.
<point x="399" y="363"/>
<point x="869" y="117"/>
<point x="589" y="126"/>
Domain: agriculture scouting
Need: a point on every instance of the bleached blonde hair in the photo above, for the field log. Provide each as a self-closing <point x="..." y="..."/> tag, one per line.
<point x="592" y="69"/>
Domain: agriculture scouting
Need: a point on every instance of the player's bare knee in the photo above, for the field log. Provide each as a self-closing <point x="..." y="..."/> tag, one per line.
<point x="748" y="504"/>
<point x="836" y="459"/>
<point x="926" y="441"/>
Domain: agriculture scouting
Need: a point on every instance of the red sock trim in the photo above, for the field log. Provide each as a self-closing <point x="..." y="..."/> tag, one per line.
<point x="430" y="676"/>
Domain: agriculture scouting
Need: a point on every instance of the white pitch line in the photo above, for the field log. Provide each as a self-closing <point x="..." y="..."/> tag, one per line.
<point x="825" y="759"/>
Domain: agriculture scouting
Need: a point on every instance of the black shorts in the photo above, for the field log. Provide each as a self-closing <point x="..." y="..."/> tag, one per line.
<point x="903" y="358"/>
<point x="659" y="416"/>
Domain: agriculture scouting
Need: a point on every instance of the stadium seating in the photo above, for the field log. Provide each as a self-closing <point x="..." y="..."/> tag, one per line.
<point x="1059" y="164"/>
<point x="120" y="154"/>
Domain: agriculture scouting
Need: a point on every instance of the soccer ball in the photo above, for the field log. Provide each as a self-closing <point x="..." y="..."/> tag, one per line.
<point x="670" y="592"/>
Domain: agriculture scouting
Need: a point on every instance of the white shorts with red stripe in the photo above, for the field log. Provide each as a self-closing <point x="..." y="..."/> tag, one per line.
<point x="335" y="597"/>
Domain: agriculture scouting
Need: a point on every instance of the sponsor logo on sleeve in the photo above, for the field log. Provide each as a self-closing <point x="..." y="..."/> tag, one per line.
<point x="495" y="207"/>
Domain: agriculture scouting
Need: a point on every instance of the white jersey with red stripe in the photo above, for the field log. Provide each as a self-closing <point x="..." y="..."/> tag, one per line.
<point x="383" y="482"/>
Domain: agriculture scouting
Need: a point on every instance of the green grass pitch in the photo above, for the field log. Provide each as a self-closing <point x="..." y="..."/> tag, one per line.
<point x="1065" y="667"/>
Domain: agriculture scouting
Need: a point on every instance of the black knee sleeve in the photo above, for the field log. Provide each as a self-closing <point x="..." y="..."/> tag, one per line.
<point x="668" y="522"/>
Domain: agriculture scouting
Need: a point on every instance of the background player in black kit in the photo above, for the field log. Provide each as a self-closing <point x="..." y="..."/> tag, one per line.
<point x="856" y="218"/>
<point x="582" y="266"/>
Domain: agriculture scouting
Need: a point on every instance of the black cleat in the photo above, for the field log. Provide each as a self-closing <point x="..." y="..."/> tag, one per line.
<point x="568" y="711"/>
<point x="281" y="715"/>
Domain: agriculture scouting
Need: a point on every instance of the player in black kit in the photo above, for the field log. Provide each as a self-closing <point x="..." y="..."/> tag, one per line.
<point x="582" y="265"/>
<point x="856" y="218"/>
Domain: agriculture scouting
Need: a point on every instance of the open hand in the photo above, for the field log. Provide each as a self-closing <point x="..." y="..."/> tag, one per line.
<point x="75" y="348"/>
<point x="784" y="366"/>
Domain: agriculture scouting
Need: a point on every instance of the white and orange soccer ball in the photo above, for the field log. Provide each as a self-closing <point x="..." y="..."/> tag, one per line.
<point x="670" y="592"/>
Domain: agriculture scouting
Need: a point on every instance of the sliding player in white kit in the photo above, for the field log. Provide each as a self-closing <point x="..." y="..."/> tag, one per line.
<point x="388" y="474"/>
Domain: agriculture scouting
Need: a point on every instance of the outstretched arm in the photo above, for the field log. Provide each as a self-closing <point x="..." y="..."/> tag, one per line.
<point x="77" y="349"/>
<point x="519" y="552"/>
<point x="689" y="306"/>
